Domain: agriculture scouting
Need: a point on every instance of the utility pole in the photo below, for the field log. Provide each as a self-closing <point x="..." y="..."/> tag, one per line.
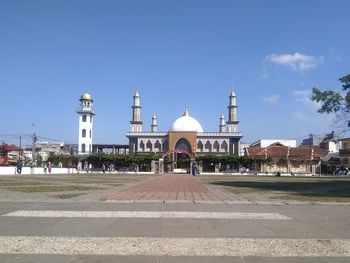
<point x="20" y="146"/>
<point x="311" y="157"/>
<point x="33" y="144"/>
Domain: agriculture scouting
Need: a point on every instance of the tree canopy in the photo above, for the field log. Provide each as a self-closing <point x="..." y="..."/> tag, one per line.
<point x="334" y="101"/>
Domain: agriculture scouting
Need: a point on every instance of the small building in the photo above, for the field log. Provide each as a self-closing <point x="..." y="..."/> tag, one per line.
<point x="312" y="140"/>
<point x="47" y="148"/>
<point x="242" y="147"/>
<point x="331" y="142"/>
<point x="286" y="159"/>
<point x="344" y="152"/>
<point x="268" y="142"/>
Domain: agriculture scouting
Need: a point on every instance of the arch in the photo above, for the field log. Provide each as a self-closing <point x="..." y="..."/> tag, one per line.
<point x="216" y="146"/>
<point x="142" y="146"/>
<point x="183" y="145"/>
<point x="83" y="148"/>
<point x="83" y="133"/>
<point x="224" y="146"/>
<point x="176" y="151"/>
<point x="157" y="146"/>
<point x="149" y="146"/>
<point x="165" y="145"/>
<point x="200" y="146"/>
<point x="208" y="146"/>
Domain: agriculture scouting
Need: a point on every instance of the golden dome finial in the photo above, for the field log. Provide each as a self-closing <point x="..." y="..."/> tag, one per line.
<point x="85" y="96"/>
<point x="186" y="113"/>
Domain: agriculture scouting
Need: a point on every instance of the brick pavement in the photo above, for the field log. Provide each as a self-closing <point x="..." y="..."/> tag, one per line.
<point x="168" y="187"/>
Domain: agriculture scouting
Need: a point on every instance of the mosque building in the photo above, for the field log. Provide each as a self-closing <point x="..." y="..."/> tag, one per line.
<point x="185" y="135"/>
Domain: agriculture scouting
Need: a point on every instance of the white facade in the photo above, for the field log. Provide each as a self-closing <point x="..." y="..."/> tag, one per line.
<point x="265" y="143"/>
<point x="225" y="141"/>
<point x="243" y="146"/>
<point x="45" y="149"/>
<point x="86" y="113"/>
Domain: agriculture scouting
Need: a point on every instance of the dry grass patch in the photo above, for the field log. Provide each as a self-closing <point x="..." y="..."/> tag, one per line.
<point x="51" y="188"/>
<point x="67" y="196"/>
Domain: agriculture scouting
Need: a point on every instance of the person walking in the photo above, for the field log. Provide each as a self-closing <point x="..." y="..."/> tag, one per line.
<point x="19" y="166"/>
<point x="194" y="169"/>
<point x="103" y="168"/>
<point x="49" y="168"/>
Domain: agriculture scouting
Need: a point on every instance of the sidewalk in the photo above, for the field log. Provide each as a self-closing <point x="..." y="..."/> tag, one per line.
<point x="167" y="187"/>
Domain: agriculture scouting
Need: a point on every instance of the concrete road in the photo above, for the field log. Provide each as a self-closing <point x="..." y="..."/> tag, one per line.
<point x="173" y="232"/>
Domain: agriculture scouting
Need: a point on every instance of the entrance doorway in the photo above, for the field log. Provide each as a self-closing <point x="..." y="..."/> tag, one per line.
<point x="182" y="157"/>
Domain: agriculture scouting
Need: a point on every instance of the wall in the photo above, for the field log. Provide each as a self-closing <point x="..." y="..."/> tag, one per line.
<point x="10" y="170"/>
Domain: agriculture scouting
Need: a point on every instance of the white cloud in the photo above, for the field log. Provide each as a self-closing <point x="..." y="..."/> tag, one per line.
<point x="270" y="99"/>
<point x="297" y="61"/>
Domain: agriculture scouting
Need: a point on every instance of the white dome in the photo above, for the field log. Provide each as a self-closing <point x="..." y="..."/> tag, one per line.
<point x="186" y="123"/>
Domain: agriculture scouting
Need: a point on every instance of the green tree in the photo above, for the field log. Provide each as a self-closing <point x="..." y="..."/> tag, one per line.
<point x="334" y="101"/>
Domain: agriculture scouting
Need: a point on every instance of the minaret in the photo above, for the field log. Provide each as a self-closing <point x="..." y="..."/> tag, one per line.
<point x="232" y="113"/>
<point x="222" y="125"/>
<point x="86" y="112"/>
<point x="136" y="123"/>
<point x="154" y="125"/>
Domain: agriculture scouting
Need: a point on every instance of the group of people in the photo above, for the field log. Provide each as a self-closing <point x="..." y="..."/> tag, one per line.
<point x="19" y="166"/>
<point x="47" y="168"/>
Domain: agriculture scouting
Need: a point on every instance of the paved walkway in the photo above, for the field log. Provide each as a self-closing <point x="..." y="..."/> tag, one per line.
<point x="167" y="187"/>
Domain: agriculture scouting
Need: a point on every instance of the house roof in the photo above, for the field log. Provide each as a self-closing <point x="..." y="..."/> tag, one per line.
<point x="10" y="147"/>
<point x="281" y="151"/>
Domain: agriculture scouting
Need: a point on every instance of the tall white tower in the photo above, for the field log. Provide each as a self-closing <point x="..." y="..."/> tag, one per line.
<point x="86" y="112"/>
<point x="136" y="123"/>
<point x="222" y="126"/>
<point x="154" y="125"/>
<point x="232" y="123"/>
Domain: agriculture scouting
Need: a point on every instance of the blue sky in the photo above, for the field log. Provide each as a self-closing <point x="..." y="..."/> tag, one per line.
<point x="175" y="53"/>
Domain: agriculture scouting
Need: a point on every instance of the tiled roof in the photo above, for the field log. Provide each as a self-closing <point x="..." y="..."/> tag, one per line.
<point x="303" y="152"/>
<point x="10" y="148"/>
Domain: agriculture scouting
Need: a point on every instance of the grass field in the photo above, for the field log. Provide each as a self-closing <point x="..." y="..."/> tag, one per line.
<point x="65" y="186"/>
<point x="284" y="188"/>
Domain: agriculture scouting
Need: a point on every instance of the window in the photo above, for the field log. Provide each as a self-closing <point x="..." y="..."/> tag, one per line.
<point x="90" y="118"/>
<point x="149" y="146"/>
<point x="83" y="148"/>
<point x="208" y="146"/>
<point x="142" y="146"/>
<point x="84" y="118"/>
<point x="90" y="133"/>
<point x="157" y="146"/>
<point x="224" y="146"/>
<point x="200" y="146"/>
<point x="83" y="133"/>
<point x="216" y="146"/>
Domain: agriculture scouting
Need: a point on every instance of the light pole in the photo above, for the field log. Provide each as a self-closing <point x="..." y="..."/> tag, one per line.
<point x="33" y="144"/>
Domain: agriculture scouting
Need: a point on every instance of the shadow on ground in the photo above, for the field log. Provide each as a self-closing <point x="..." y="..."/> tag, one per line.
<point x="322" y="188"/>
